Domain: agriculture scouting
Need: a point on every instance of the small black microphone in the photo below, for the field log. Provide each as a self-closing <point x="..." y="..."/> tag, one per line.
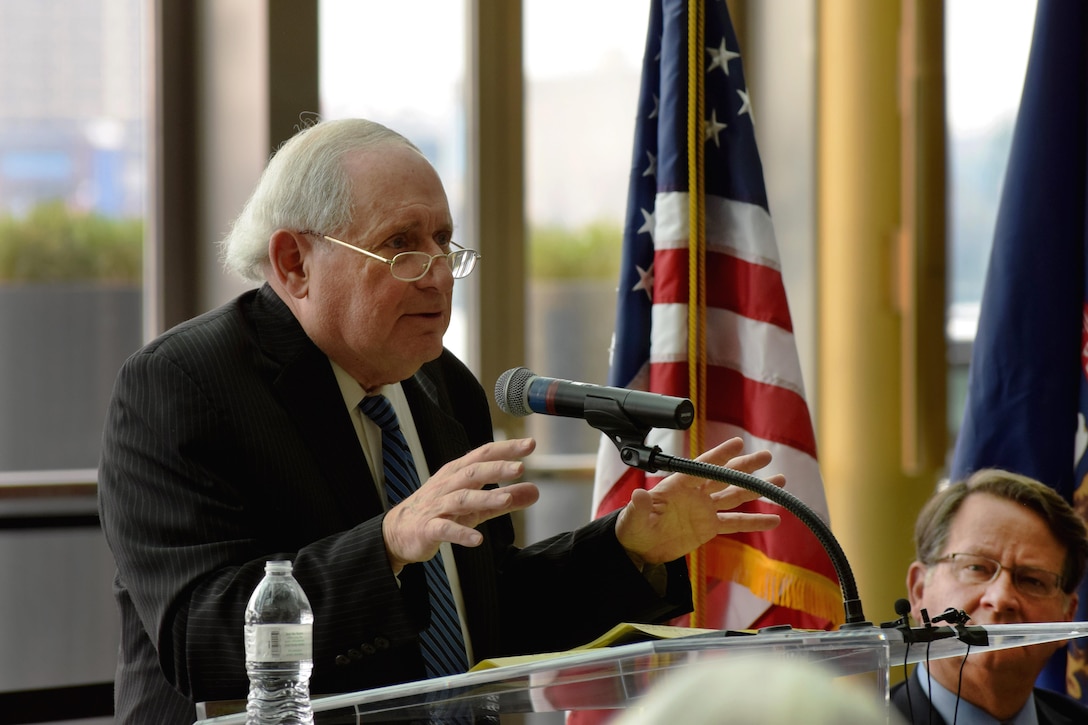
<point x="902" y="608"/>
<point x="953" y="616"/>
<point x="520" y="392"/>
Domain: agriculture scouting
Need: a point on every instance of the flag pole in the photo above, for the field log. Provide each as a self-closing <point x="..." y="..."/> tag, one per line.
<point x="696" y="273"/>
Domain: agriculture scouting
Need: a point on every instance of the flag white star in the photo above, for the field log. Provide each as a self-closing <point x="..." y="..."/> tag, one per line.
<point x="651" y="170"/>
<point x="653" y="113"/>
<point x="645" y="281"/>
<point x="714" y="127"/>
<point x="745" y="104"/>
<point x="720" y="57"/>
<point x="647" y="223"/>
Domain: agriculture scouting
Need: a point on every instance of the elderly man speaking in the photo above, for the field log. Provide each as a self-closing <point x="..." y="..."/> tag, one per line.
<point x="265" y="430"/>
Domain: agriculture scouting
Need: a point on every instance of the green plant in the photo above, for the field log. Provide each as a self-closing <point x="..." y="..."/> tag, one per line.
<point x="53" y="243"/>
<point x="591" y="252"/>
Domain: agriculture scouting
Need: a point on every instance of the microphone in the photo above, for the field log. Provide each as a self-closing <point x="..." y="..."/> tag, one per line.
<point x="626" y="416"/>
<point x="519" y="392"/>
<point x="902" y="608"/>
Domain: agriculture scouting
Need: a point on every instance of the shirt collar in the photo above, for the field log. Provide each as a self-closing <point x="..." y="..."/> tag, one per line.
<point x="945" y="703"/>
<point x="349" y="387"/>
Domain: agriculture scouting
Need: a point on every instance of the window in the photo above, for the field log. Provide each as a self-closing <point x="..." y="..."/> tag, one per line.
<point x="581" y="103"/>
<point x="71" y="222"/>
<point x="424" y="41"/>
<point x="72" y="192"/>
<point x="986" y="52"/>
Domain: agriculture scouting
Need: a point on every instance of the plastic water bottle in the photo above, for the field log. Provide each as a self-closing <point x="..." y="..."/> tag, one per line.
<point x="279" y="650"/>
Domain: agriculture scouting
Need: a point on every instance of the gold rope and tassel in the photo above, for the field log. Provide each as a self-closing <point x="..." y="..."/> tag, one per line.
<point x="784" y="584"/>
<point x="696" y="275"/>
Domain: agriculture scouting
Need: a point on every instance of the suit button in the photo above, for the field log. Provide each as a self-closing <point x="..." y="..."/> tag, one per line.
<point x="381" y="643"/>
<point x="342" y="661"/>
<point x="369" y="649"/>
<point x="354" y="654"/>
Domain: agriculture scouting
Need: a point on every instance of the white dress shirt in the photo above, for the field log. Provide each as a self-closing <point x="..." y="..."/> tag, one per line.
<point x="370" y="438"/>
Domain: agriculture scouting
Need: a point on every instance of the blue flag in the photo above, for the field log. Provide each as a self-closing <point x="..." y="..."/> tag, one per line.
<point x="1027" y="397"/>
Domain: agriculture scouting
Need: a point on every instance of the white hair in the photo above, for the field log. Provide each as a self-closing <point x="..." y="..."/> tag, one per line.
<point x="304" y="188"/>
<point x="758" y="689"/>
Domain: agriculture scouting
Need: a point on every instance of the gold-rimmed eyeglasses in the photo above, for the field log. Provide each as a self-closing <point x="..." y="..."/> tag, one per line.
<point x="977" y="569"/>
<point x="410" y="266"/>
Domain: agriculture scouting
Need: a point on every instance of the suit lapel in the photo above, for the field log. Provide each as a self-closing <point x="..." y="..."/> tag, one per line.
<point x="306" y="386"/>
<point x="444" y="439"/>
<point x="1049" y="713"/>
<point x="918" y="703"/>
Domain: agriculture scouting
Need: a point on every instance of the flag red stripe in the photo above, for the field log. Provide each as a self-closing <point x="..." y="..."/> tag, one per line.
<point x="766" y="411"/>
<point x="620" y="492"/>
<point x="670" y="378"/>
<point x="791" y="542"/>
<point x="752" y="290"/>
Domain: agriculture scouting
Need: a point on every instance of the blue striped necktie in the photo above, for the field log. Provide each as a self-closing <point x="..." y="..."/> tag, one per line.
<point x="443" y="644"/>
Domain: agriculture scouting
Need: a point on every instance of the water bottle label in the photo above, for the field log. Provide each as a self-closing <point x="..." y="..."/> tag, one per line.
<point x="278" y="642"/>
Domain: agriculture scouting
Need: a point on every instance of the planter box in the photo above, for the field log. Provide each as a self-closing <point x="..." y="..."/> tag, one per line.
<point x="61" y="345"/>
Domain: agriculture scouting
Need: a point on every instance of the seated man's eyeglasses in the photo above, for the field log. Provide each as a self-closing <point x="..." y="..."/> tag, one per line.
<point x="410" y="266"/>
<point x="977" y="569"/>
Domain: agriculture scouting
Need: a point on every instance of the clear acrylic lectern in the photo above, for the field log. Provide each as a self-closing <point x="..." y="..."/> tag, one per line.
<point x="616" y="677"/>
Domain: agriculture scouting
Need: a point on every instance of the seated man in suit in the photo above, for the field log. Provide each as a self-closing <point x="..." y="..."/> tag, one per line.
<point x="268" y="428"/>
<point x="1004" y="549"/>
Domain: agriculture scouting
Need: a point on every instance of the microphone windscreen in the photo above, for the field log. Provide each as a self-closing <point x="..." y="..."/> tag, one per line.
<point x="510" y="391"/>
<point x="902" y="607"/>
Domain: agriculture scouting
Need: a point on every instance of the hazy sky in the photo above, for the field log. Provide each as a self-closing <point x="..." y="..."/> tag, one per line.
<point x="420" y="62"/>
<point x="408" y="64"/>
<point x="985" y="58"/>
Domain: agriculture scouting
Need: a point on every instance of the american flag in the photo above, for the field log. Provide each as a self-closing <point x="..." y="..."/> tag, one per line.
<point x="1027" y="398"/>
<point x="753" y="385"/>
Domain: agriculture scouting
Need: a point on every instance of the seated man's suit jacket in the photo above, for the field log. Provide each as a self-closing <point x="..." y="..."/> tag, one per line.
<point x="1052" y="708"/>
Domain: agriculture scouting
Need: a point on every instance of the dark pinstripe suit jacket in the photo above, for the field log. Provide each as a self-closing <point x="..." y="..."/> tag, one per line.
<point x="227" y="444"/>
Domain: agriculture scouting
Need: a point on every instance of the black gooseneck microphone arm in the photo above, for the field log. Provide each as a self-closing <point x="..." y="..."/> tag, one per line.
<point x="628" y="436"/>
